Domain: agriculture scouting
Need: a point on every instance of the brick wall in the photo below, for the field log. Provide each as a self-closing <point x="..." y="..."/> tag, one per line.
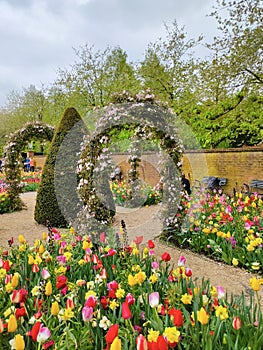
<point x="240" y="165"/>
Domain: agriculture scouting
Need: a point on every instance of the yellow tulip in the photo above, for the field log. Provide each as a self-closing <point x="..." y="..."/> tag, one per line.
<point x="19" y="343"/>
<point x="12" y="324"/>
<point x="31" y="259"/>
<point x="255" y="283"/>
<point x="41" y="249"/>
<point x="116" y="344"/>
<point x="54" y="309"/>
<point x="15" y="280"/>
<point x="202" y="316"/>
<point x="21" y="239"/>
<point x="48" y="289"/>
<point x="44" y="236"/>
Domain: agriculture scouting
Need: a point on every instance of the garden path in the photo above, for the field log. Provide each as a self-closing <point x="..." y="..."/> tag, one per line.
<point x="144" y="222"/>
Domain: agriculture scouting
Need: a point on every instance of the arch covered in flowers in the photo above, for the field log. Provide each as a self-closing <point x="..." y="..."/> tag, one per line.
<point x="148" y="120"/>
<point x="13" y="161"/>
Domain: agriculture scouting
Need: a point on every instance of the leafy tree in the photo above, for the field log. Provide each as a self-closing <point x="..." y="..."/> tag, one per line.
<point x="95" y="76"/>
<point x="241" y="40"/>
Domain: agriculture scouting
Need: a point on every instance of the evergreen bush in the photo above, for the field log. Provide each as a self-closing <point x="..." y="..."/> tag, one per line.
<point x="57" y="199"/>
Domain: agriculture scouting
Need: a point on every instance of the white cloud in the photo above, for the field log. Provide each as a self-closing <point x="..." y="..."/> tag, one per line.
<point x="37" y="37"/>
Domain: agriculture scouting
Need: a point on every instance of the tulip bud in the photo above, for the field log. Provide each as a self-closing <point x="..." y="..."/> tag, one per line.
<point x="12" y="324"/>
<point x="237" y="323"/>
<point x="54" y="309"/>
<point x="19" y="343"/>
<point x="48" y="289"/>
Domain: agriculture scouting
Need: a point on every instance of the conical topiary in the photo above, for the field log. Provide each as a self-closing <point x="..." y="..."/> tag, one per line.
<point x="57" y="199"/>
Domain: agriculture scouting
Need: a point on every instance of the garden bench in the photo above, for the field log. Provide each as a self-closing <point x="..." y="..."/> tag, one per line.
<point x="222" y="180"/>
<point x="256" y="184"/>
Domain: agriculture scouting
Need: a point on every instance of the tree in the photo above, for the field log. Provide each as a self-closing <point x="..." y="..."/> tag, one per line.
<point x="241" y="40"/>
<point x="95" y="76"/>
<point x="51" y="198"/>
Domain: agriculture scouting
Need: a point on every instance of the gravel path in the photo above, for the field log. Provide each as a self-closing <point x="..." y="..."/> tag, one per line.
<point x="139" y="222"/>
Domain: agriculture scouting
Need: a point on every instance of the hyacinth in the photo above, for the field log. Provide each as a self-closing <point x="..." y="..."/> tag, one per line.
<point x="106" y="297"/>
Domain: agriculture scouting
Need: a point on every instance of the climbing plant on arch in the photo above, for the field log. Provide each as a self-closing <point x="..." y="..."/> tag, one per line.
<point x="147" y="120"/>
<point x="13" y="160"/>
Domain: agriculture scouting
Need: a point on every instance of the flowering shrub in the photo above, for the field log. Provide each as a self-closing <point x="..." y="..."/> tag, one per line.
<point x="226" y="228"/>
<point x="146" y="120"/>
<point x="65" y="293"/>
<point x="122" y="193"/>
<point x="13" y="160"/>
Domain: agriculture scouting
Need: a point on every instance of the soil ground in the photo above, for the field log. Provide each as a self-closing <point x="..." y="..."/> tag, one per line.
<point x="144" y="222"/>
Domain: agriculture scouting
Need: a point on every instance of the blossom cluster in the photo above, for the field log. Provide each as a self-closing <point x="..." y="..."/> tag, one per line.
<point x="66" y="292"/>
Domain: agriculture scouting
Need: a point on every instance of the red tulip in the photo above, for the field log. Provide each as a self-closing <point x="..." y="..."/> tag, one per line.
<point x="138" y="240"/>
<point x="48" y="344"/>
<point x="35" y="330"/>
<point x="130" y="299"/>
<point x="61" y="282"/>
<point x="126" y="312"/>
<point x="20" y="312"/>
<point x="104" y="302"/>
<point x="166" y="257"/>
<point x="151" y="244"/>
<point x="237" y="323"/>
<point x="162" y="345"/>
<point x="141" y="343"/>
<point x="177" y="317"/>
<point x="112" y="333"/>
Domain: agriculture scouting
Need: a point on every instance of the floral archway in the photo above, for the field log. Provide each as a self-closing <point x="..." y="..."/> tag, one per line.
<point x="147" y="120"/>
<point x="12" y="157"/>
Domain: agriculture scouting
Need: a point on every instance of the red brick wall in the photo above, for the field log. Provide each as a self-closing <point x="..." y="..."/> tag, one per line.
<point x="240" y="165"/>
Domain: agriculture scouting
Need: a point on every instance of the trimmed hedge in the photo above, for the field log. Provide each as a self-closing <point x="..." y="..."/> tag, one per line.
<point x="57" y="199"/>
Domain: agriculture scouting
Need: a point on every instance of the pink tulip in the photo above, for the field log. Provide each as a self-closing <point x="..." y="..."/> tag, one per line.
<point x="87" y="313"/>
<point x="220" y="292"/>
<point x="130" y="299"/>
<point x="154" y="299"/>
<point x="43" y="334"/>
<point x="45" y="274"/>
<point x="181" y="261"/>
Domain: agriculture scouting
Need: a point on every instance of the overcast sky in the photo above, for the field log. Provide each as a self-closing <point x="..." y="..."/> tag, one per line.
<point x="38" y="36"/>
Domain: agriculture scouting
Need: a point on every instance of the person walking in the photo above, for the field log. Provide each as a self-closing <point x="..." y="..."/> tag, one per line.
<point x="186" y="184"/>
<point x="32" y="164"/>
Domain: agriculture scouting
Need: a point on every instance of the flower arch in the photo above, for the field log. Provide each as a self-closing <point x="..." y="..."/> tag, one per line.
<point x="148" y="120"/>
<point x="13" y="160"/>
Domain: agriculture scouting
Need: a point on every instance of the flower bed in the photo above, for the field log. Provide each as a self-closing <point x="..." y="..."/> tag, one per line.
<point x="66" y="293"/>
<point x="29" y="182"/>
<point x="122" y="194"/>
<point x="223" y="227"/>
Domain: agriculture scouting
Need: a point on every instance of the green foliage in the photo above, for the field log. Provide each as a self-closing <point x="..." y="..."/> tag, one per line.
<point x="51" y="195"/>
<point x="13" y="162"/>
